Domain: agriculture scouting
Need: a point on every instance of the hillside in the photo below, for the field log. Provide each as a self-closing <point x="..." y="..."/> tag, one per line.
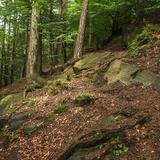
<point x="104" y="106"/>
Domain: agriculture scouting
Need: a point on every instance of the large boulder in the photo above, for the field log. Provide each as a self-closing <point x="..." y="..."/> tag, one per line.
<point x="8" y="100"/>
<point x="129" y="74"/>
<point x="90" y="61"/>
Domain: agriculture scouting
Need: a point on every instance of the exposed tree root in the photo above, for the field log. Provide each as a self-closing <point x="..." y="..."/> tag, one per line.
<point x="90" y="140"/>
<point x="98" y="137"/>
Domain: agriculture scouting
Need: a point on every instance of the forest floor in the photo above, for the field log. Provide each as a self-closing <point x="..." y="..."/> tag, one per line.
<point x="133" y="110"/>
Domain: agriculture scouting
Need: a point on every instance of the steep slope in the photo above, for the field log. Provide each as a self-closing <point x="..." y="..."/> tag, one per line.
<point x="105" y="106"/>
<point x="47" y="121"/>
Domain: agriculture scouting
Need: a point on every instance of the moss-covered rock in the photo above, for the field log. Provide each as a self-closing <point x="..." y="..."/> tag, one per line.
<point x="89" y="61"/>
<point x="16" y="122"/>
<point x="129" y="73"/>
<point x="8" y="100"/>
<point x="29" y="130"/>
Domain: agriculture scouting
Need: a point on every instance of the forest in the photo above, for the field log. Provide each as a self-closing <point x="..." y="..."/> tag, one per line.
<point x="79" y="79"/>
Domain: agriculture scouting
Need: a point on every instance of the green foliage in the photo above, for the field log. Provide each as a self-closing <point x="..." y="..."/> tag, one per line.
<point x="8" y="135"/>
<point x="84" y="98"/>
<point x="59" y="109"/>
<point x="59" y="23"/>
<point x="61" y="83"/>
<point x="53" y="87"/>
<point x="30" y="102"/>
<point x="118" y="147"/>
<point x="143" y="40"/>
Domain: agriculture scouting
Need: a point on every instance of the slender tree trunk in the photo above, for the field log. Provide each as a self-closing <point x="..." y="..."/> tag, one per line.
<point x="51" y="45"/>
<point x="140" y="10"/>
<point x="63" y="45"/>
<point x="2" y="55"/>
<point x="32" y="64"/>
<point x="6" y="70"/>
<point x="13" y="50"/>
<point x="82" y="25"/>
<point x="40" y="49"/>
<point x="26" y="49"/>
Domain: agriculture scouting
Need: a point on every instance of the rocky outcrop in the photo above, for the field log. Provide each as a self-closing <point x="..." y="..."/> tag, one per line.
<point x="129" y="74"/>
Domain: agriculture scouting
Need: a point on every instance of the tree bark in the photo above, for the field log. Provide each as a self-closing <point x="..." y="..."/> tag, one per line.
<point x="13" y="49"/>
<point x="140" y="10"/>
<point x="7" y="57"/>
<point x="82" y="25"/>
<point x="2" y="55"/>
<point x="32" y="63"/>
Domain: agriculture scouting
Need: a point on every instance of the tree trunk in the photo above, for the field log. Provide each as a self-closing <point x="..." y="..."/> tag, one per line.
<point x="13" y="49"/>
<point x="3" y="55"/>
<point x="82" y="25"/>
<point x="32" y="64"/>
<point x="51" y="45"/>
<point x="40" y="49"/>
<point x="7" y="59"/>
<point x="140" y="10"/>
<point x="26" y="49"/>
<point x="63" y="42"/>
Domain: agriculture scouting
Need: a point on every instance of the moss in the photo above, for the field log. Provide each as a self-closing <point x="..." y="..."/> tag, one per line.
<point x="6" y="102"/>
<point x="34" y="82"/>
<point x="28" y="131"/>
<point x="53" y="87"/>
<point x="16" y="122"/>
<point x="143" y="40"/>
<point x="6" y="135"/>
<point x="98" y="78"/>
<point x="59" y="109"/>
<point x="89" y="61"/>
<point x="30" y="102"/>
<point x="84" y="98"/>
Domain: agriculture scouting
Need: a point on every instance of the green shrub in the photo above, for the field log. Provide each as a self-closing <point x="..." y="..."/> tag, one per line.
<point x="63" y="84"/>
<point x="84" y="98"/>
<point x="60" y="109"/>
<point x="118" y="147"/>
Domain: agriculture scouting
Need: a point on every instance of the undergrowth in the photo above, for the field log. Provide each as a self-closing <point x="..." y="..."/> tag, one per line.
<point x="59" y="109"/>
<point x="53" y="87"/>
<point x="84" y="98"/>
<point x="147" y="38"/>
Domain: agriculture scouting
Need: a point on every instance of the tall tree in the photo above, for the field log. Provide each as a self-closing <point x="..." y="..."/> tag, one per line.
<point x="33" y="66"/>
<point x="82" y="25"/>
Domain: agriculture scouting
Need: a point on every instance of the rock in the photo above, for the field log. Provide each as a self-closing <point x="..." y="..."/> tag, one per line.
<point x="89" y="61"/>
<point x="30" y="130"/>
<point x="129" y="74"/>
<point x="16" y="122"/>
<point x="120" y="71"/>
<point x="8" y="100"/>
